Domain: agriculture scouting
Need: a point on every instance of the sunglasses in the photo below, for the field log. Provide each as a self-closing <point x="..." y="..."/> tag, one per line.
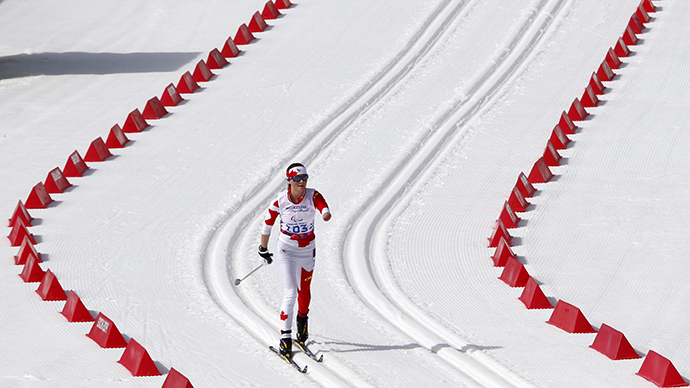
<point x="300" y="178"/>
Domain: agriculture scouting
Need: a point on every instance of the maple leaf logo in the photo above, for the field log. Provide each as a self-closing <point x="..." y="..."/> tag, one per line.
<point x="283" y="316"/>
<point x="296" y="171"/>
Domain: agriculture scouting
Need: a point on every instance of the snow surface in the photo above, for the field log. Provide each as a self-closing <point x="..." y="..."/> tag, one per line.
<point x="414" y="119"/>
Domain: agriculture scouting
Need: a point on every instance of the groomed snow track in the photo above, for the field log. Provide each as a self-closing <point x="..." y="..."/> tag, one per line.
<point x="363" y="263"/>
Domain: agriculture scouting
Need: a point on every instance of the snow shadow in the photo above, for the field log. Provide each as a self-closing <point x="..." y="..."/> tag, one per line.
<point x="25" y="65"/>
<point x="348" y="347"/>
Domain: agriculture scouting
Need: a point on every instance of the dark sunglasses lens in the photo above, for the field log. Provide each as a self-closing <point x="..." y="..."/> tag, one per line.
<point x="300" y="178"/>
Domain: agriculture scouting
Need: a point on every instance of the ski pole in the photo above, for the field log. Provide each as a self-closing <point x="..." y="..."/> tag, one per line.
<point x="238" y="281"/>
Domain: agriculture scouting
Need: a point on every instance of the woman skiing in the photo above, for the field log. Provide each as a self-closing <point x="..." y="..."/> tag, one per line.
<point x="295" y="250"/>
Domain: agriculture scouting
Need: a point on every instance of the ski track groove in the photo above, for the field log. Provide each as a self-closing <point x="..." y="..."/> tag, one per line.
<point x="379" y="94"/>
<point x="368" y="224"/>
<point x="482" y="368"/>
<point x="218" y="278"/>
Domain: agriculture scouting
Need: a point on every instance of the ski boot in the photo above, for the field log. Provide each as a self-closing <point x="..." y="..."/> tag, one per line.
<point x="302" y="328"/>
<point x="286" y="347"/>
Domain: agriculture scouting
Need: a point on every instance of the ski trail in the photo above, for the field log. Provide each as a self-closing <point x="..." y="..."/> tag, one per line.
<point x="218" y="275"/>
<point x="365" y="248"/>
<point x="487" y="375"/>
<point x="487" y="86"/>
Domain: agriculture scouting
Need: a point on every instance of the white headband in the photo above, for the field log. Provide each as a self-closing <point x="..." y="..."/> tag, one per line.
<point x="299" y="170"/>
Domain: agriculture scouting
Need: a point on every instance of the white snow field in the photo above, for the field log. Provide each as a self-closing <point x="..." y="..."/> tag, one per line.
<point x="415" y="119"/>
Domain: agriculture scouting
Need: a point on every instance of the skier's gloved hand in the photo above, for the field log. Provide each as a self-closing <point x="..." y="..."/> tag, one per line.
<point x="266" y="255"/>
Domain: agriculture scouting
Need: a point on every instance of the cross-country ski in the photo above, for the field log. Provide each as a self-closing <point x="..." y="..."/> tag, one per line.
<point x="289" y="360"/>
<point x="305" y="349"/>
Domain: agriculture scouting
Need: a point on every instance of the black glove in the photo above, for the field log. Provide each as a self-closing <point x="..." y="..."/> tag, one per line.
<point x="266" y="255"/>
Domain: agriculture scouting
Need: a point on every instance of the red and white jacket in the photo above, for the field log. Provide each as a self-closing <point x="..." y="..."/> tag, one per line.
<point x="296" y="219"/>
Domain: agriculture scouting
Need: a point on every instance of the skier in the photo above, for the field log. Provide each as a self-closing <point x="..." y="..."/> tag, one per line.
<point x="295" y="250"/>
